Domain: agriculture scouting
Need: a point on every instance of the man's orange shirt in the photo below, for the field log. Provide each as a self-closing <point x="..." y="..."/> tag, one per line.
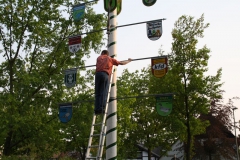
<point x="105" y="64"/>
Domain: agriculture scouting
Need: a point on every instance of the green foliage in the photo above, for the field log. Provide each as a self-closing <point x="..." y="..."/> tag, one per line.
<point x="76" y="132"/>
<point x="34" y="42"/>
<point x="193" y="89"/>
<point x="193" y="92"/>
<point x="15" y="157"/>
<point x="139" y="122"/>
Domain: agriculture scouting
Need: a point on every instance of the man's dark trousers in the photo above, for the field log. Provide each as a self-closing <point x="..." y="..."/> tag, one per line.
<point x="101" y="90"/>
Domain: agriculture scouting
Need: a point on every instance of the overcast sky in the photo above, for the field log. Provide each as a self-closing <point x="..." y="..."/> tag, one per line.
<point x="222" y="36"/>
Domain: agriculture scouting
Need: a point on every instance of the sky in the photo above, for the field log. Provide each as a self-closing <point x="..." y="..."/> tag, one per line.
<point x="222" y="37"/>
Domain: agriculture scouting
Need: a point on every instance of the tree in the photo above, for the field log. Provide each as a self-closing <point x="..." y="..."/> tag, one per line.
<point x="33" y="41"/>
<point x="76" y="131"/>
<point x="193" y="92"/>
<point x="218" y="141"/>
<point x="193" y="89"/>
<point x="139" y="123"/>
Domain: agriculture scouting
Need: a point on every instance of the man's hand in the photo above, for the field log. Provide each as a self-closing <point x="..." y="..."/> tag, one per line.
<point x="126" y="61"/>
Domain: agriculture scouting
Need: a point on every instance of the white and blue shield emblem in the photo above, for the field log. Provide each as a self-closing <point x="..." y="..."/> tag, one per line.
<point x="154" y="30"/>
<point x="70" y="78"/>
<point x="65" y="112"/>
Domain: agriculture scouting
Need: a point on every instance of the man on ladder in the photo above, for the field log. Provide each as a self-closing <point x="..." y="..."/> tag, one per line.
<point x="103" y="72"/>
<point x="104" y="69"/>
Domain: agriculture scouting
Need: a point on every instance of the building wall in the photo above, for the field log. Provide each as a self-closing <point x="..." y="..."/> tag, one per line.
<point x="177" y="151"/>
<point x="143" y="155"/>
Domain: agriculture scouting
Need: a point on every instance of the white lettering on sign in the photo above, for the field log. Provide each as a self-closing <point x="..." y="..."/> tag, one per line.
<point x="154" y="25"/>
<point x="159" y="66"/>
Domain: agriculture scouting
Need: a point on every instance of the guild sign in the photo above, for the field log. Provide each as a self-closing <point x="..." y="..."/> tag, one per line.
<point x="65" y="112"/>
<point x="159" y="66"/>
<point x="154" y="30"/>
<point x="78" y="11"/>
<point x="164" y="104"/>
<point x="74" y="43"/>
<point x="70" y="77"/>
<point x="149" y="2"/>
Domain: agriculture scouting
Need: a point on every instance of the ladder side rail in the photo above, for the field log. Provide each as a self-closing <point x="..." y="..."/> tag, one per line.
<point x="103" y="130"/>
<point x="103" y="127"/>
<point x="103" y="140"/>
<point x="90" y="137"/>
<point x="108" y="96"/>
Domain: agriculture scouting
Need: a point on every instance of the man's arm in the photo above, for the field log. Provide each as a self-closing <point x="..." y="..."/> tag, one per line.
<point x="125" y="62"/>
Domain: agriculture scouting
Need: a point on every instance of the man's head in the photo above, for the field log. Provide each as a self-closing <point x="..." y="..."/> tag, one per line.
<point x="105" y="52"/>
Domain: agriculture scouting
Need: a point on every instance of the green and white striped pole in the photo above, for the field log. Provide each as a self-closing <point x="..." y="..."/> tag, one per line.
<point x="111" y="134"/>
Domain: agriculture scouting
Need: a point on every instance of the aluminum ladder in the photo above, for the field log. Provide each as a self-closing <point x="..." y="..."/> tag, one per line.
<point x="101" y="129"/>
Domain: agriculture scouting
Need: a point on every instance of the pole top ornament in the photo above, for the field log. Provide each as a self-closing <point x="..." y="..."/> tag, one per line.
<point x="111" y="5"/>
<point x="149" y="2"/>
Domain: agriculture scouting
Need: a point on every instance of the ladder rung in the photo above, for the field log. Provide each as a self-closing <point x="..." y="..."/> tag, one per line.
<point x="96" y="124"/>
<point x="95" y="146"/>
<point x="101" y="113"/>
<point x="92" y="157"/>
<point x="93" y="135"/>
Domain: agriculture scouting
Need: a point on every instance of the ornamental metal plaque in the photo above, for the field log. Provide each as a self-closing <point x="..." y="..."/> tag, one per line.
<point x="154" y="30"/>
<point x="70" y="77"/>
<point x="65" y="112"/>
<point x="164" y="104"/>
<point x="78" y="11"/>
<point x="159" y="66"/>
<point x="75" y="43"/>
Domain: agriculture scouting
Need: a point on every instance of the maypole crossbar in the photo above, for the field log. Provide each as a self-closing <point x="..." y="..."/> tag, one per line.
<point x="137" y="59"/>
<point x="119" y="26"/>
<point x="126" y="97"/>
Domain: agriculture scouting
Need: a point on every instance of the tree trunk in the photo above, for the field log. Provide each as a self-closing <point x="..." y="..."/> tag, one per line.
<point x="188" y="146"/>
<point x="210" y="156"/>
<point x="7" y="144"/>
<point x="149" y="154"/>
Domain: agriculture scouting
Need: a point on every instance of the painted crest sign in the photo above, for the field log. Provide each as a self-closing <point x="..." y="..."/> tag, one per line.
<point x="74" y="43"/>
<point x="154" y="30"/>
<point x="65" y="112"/>
<point x="149" y="2"/>
<point x="164" y="104"/>
<point x="159" y="66"/>
<point x="70" y="77"/>
<point x="78" y="11"/>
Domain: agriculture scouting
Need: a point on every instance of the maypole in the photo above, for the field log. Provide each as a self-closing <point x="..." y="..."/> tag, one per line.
<point x="111" y="134"/>
<point x="154" y="32"/>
